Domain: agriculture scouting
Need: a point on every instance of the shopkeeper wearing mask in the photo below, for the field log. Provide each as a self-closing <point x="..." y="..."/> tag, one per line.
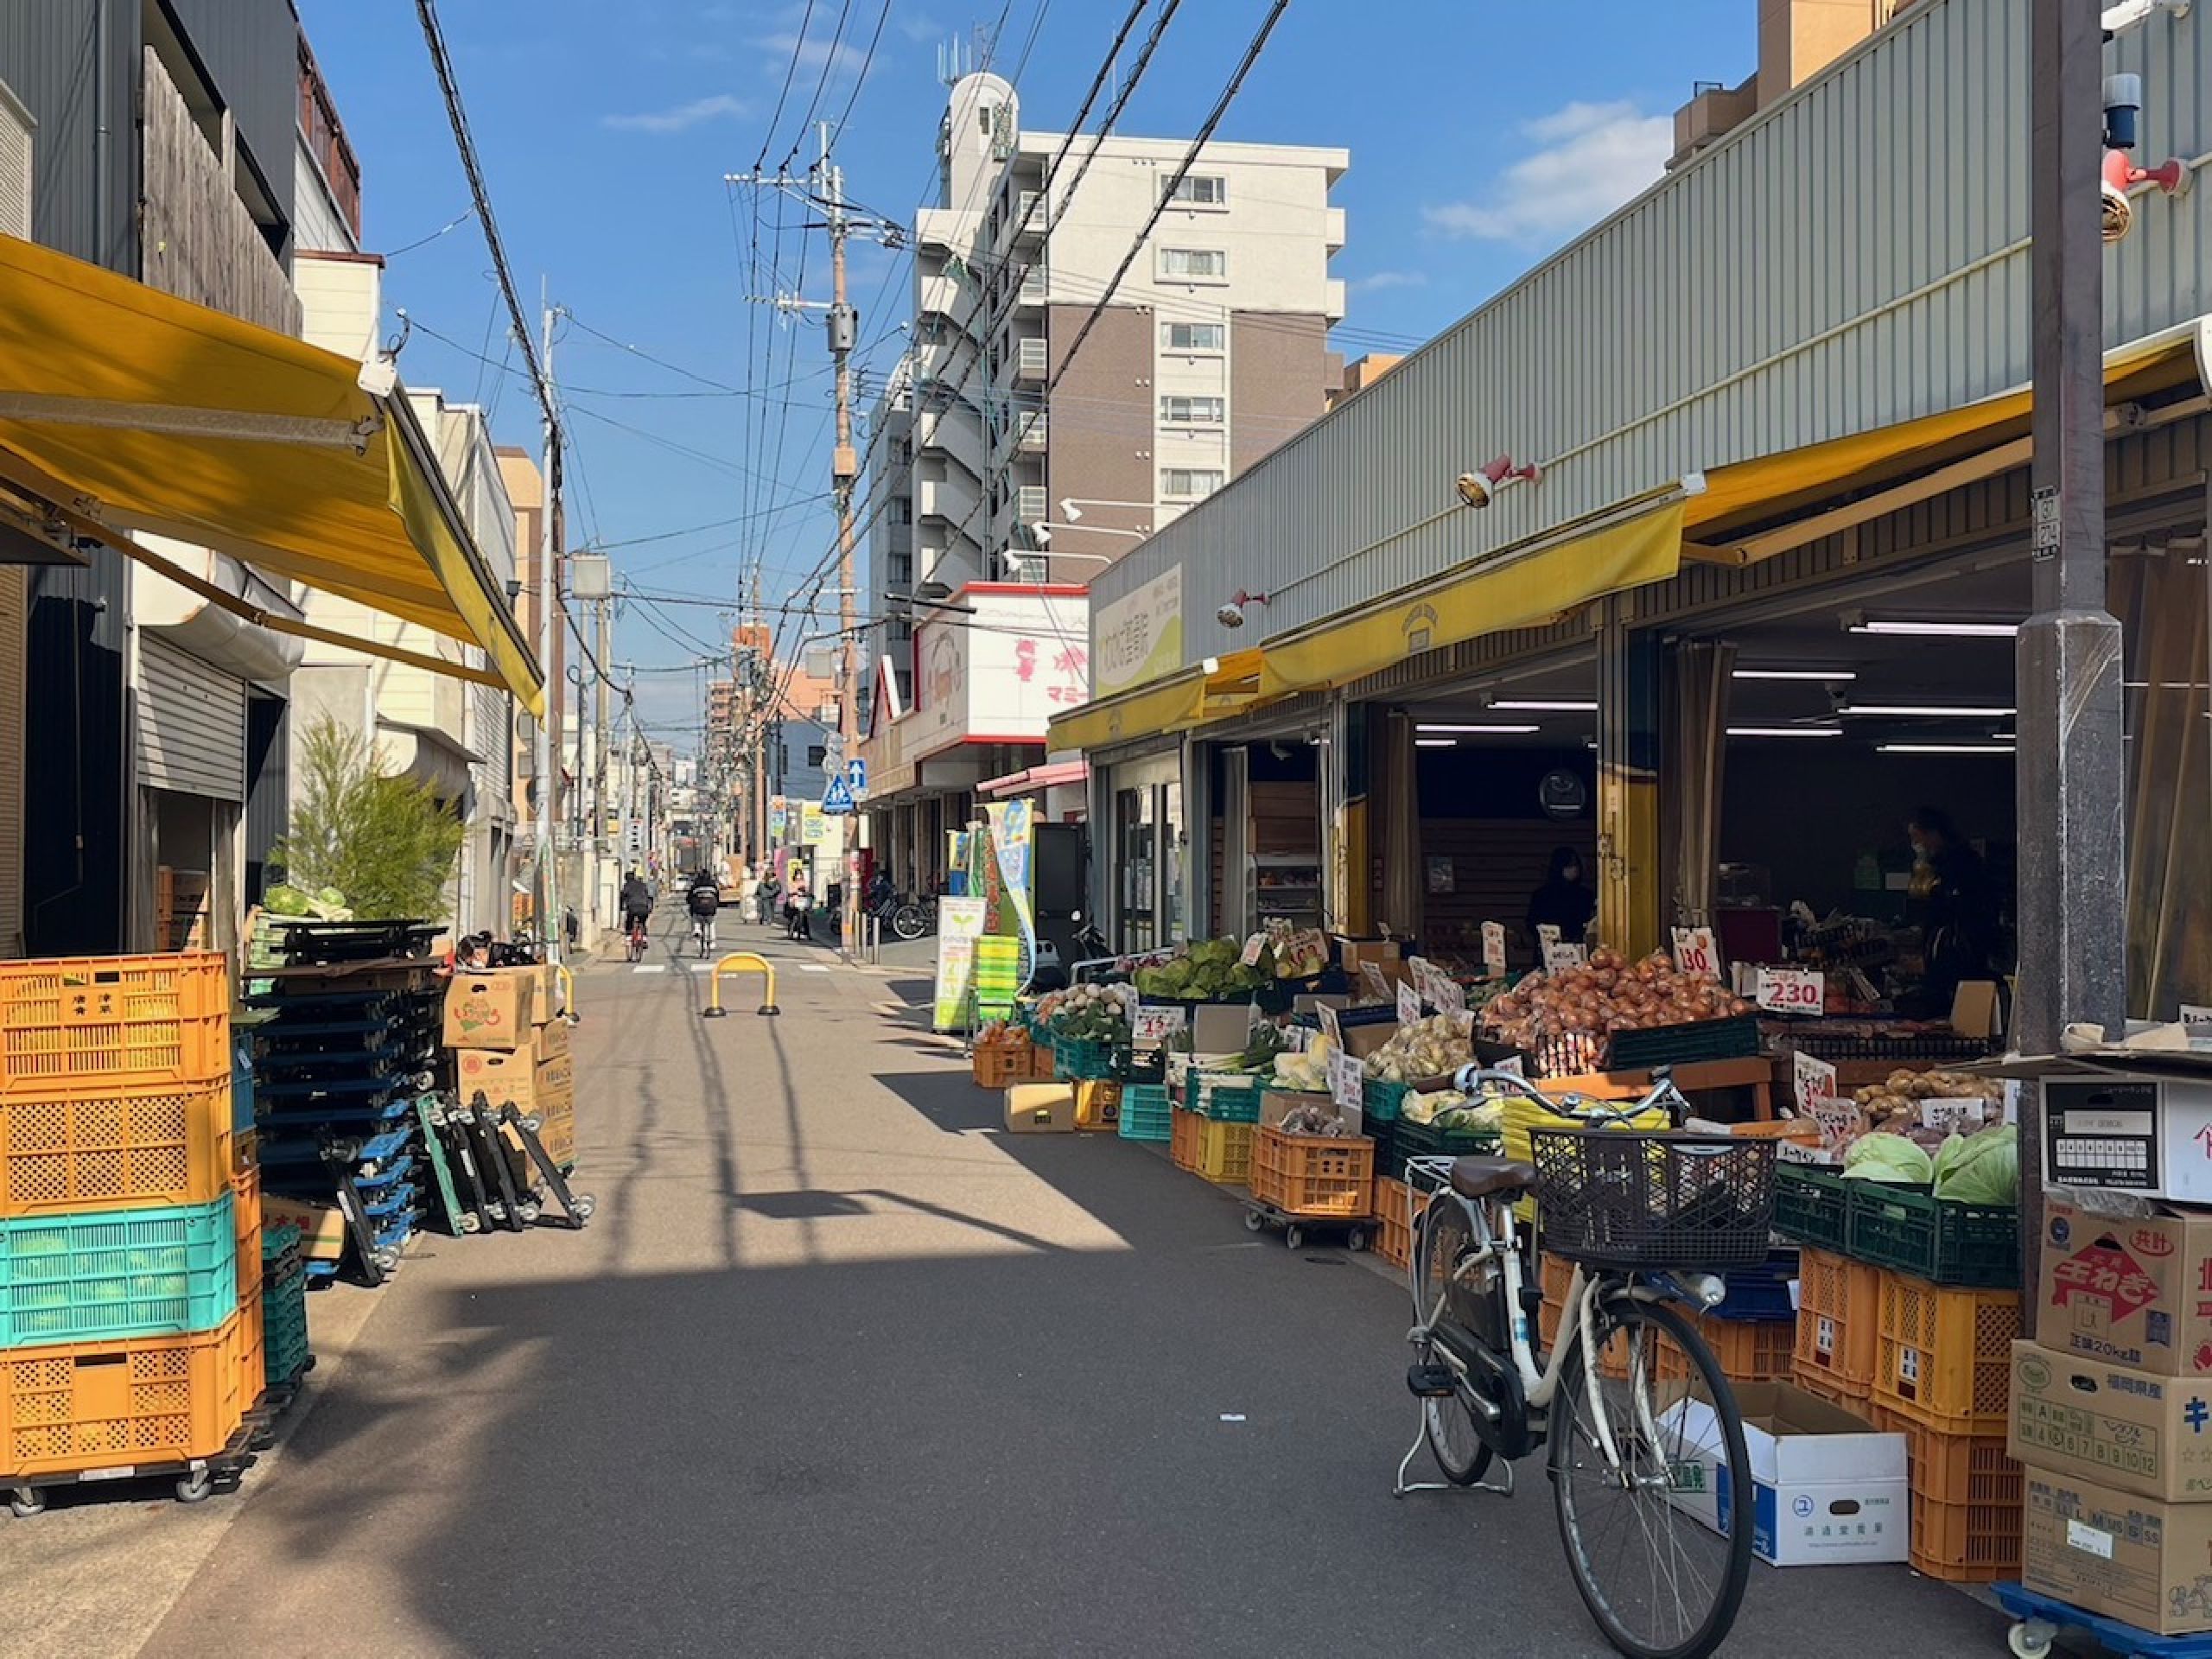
<point x="1562" y="902"/>
<point x="1958" y="911"/>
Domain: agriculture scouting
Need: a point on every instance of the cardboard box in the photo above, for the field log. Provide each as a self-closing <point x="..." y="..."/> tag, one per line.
<point x="2137" y="1559"/>
<point x="322" y="1228"/>
<point x="549" y="1041"/>
<point x="1040" y="1109"/>
<point x="545" y="992"/>
<point x="2144" y="1135"/>
<point x="490" y="1008"/>
<point x="516" y="1079"/>
<point x="1827" y="1488"/>
<point x="2129" y="1293"/>
<point x="1352" y="953"/>
<point x="2129" y="1430"/>
<point x="1221" y="1027"/>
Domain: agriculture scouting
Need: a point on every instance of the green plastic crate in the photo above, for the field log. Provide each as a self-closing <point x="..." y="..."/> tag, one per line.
<point x="1146" y="1114"/>
<point x="1410" y="1140"/>
<point x="1380" y="1099"/>
<point x="1080" y="1059"/>
<point x="1813" y="1206"/>
<point x="166" y="1271"/>
<point x="1226" y="1097"/>
<point x="1909" y="1229"/>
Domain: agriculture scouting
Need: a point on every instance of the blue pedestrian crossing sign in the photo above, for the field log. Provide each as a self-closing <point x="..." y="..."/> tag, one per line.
<point x="856" y="778"/>
<point x="837" y="799"/>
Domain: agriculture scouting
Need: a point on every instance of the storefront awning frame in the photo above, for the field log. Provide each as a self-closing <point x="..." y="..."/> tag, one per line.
<point x="132" y="410"/>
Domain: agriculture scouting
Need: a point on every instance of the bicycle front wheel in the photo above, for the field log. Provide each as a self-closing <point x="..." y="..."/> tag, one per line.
<point x="1660" y="1580"/>
<point x="908" y="922"/>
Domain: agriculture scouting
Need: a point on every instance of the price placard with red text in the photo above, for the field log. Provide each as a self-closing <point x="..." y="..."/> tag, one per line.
<point x="1151" y="1027"/>
<point x="1494" y="949"/>
<point x="1696" y="953"/>
<point x="1812" y="1081"/>
<point x="1408" y="1004"/>
<point x="1789" y="990"/>
<point x="1347" y="1081"/>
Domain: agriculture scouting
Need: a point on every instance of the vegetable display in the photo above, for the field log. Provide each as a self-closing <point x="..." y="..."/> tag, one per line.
<point x="1426" y="1048"/>
<point x="1207" y="971"/>
<point x="1888" y="1158"/>
<point x="1980" y="1168"/>
<point x="1314" y="1119"/>
<point x="1447" y="1109"/>
<point x="1093" y="1013"/>
<point x="1308" y="1073"/>
<point x="1608" y="994"/>
<point x="1894" y="1103"/>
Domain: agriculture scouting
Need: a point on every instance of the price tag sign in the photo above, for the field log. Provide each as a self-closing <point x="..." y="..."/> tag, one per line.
<point x="1696" y="952"/>
<point x="1839" y="1121"/>
<point x="1449" y="998"/>
<point x="1547" y="935"/>
<point x="1408" y="1004"/>
<point x="1789" y="990"/>
<point x="1558" y="956"/>
<point x="1963" y="1115"/>
<point x="1330" y="1029"/>
<point x="1793" y="1151"/>
<point x="2196" y="1021"/>
<point x="1151" y="1027"/>
<point x="1494" y="949"/>
<point x="1347" y="1081"/>
<point x="1375" y="983"/>
<point x="1424" y="977"/>
<point x="1811" y="1081"/>
<point x="1250" y="955"/>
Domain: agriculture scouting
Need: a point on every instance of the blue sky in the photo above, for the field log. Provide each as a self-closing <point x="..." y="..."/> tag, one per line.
<point x="1481" y="137"/>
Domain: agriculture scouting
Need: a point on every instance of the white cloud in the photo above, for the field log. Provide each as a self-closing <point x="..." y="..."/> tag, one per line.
<point x="721" y="107"/>
<point x="1591" y="158"/>
<point x="919" y="26"/>
<point x="776" y="49"/>
<point x="1373" y="282"/>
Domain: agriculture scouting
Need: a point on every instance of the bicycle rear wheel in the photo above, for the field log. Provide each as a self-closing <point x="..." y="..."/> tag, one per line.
<point x="908" y="922"/>
<point x="1661" y="1583"/>
<point x="1444" y="1237"/>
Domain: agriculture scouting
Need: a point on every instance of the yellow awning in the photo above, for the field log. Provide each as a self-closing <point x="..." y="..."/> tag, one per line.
<point x="1509" y="593"/>
<point x="1169" y="705"/>
<point x="1775" y="483"/>
<point x="146" y="412"/>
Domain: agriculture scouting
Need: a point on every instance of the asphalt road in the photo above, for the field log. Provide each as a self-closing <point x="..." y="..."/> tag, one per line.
<point x="841" y="1369"/>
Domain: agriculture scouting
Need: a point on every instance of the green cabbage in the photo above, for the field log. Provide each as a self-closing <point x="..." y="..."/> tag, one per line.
<point x="282" y="900"/>
<point x="1981" y="1168"/>
<point x="1887" y="1158"/>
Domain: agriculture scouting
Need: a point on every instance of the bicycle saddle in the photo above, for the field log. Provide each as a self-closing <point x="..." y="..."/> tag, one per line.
<point x="1481" y="1177"/>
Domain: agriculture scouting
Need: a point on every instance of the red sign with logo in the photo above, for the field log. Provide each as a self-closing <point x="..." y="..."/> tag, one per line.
<point x="2103" y="1272"/>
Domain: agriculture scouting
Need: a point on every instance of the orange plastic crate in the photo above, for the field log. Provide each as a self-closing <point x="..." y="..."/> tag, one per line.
<point x="1945" y="1354"/>
<point x="1749" y="1351"/>
<point x="1965" y="1501"/>
<point x="245" y="1211"/>
<point x="1000" y="1065"/>
<point x="1184" y="1138"/>
<point x="1548" y="1315"/>
<point x="1396" y="1222"/>
<point x="114" y="1148"/>
<point x="1314" y="1174"/>
<point x="1822" y="1385"/>
<point x="114" y="1021"/>
<point x="80" y="1408"/>
<point x="1839" y="1307"/>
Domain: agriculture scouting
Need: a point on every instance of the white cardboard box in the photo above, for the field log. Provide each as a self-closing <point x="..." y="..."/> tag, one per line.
<point x="1827" y="1489"/>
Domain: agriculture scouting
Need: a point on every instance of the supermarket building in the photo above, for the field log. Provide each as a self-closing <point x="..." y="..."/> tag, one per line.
<point x="1758" y="606"/>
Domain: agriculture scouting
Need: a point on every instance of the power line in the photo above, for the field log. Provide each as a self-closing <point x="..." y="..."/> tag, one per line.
<point x="867" y="62"/>
<point x="821" y="81"/>
<point x="798" y="44"/>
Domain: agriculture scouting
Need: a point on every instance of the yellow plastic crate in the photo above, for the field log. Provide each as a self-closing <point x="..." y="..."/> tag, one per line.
<point x="1839" y="1307"/>
<point x="86" y="1148"/>
<point x="1945" y="1354"/>
<point x="114" y="1021"/>
<point x="82" y="1408"/>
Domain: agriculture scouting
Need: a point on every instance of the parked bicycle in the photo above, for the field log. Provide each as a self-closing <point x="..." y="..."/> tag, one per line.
<point x="899" y="916"/>
<point x="1649" y="1476"/>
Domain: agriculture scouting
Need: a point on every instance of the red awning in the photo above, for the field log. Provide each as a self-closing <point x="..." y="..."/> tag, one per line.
<point x="1030" y="778"/>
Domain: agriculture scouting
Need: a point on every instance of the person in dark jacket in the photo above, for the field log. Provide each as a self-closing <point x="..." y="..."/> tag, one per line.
<point x="1957" y="905"/>
<point x="1563" y="902"/>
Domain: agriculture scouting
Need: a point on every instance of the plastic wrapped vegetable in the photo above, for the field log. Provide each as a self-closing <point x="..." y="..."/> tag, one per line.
<point x="1887" y="1158"/>
<point x="1980" y="1168"/>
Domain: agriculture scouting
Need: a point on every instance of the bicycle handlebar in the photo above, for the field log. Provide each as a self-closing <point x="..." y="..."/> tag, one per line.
<point x="1574" y="1108"/>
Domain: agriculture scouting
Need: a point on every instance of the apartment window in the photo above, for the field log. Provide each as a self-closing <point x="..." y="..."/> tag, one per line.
<point x="815" y="754"/>
<point x="1201" y="190"/>
<point x="826" y="711"/>
<point x="1209" y="263"/>
<point x="1195" y="336"/>
<point x="1189" y="483"/>
<point x="1193" y="411"/>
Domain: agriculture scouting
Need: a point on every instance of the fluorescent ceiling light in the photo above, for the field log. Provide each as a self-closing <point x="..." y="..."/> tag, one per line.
<point x="1785" y="731"/>
<point x="1794" y="674"/>
<point x="1940" y="629"/>
<point x="1477" y="728"/>
<point x="1943" y="748"/>
<point x="1436" y="743"/>
<point x="1549" y="707"/>
<point x="1925" y="710"/>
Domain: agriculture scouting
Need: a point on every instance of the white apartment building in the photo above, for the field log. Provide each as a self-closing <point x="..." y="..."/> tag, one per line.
<point x="1212" y="350"/>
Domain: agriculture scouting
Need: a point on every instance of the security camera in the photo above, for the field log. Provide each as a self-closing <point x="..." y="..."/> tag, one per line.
<point x="1231" y="615"/>
<point x="2123" y="109"/>
<point x="2120" y="176"/>
<point x="2119" y="212"/>
<point x="1480" y="487"/>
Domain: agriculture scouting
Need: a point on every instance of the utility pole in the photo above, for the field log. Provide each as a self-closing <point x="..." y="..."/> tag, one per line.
<point x="2068" y="770"/>
<point x="550" y="931"/>
<point x="602" y="646"/>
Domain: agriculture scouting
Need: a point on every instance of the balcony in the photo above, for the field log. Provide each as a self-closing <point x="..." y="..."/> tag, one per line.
<point x="1029" y="215"/>
<point x="1034" y="285"/>
<point x="1029" y="503"/>
<point x="1333" y="229"/>
<point x="1029" y="362"/>
<point x="1334" y="300"/>
<point x="1029" y="435"/>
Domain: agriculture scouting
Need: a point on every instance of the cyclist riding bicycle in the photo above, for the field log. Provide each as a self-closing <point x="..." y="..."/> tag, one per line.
<point x="637" y="904"/>
<point x="703" y="899"/>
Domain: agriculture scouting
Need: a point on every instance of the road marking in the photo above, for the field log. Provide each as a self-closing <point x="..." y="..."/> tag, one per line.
<point x="812" y="967"/>
<point x="649" y="968"/>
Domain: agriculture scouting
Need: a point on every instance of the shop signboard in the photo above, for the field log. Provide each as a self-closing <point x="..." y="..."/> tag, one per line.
<point x="1696" y="952"/>
<point x="1494" y="949"/>
<point x="1789" y="990"/>
<point x="959" y="924"/>
<point x="1139" y="635"/>
<point x="809" y="824"/>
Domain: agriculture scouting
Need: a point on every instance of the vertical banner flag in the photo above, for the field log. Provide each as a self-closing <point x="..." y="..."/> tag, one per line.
<point x="1012" y="832"/>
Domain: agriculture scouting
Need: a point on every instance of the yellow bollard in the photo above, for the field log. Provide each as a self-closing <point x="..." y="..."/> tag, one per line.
<point x="569" y="992"/>
<point x="743" y="961"/>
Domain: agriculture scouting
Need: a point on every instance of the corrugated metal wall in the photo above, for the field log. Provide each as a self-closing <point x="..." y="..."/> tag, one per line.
<point x="191" y="723"/>
<point x="251" y="50"/>
<point x="1854" y="256"/>
<point x="48" y="53"/>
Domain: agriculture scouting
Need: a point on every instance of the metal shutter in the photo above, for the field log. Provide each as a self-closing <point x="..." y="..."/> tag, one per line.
<point x="14" y="220"/>
<point x="191" y="723"/>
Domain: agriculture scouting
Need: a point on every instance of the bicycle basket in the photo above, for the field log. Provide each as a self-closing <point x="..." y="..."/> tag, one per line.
<point x="1609" y="1199"/>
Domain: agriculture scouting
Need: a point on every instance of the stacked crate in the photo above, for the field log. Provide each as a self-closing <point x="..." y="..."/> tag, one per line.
<point x="347" y="1045"/>
<point x="129" y="1321"/>
<point x="287" y="1356"/>
<point x="511" y="1045"/>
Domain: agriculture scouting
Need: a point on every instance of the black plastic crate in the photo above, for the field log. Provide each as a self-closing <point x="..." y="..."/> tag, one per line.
<point x="1614" y="1198"/>
<point x="1733" y="1038"/>
<point x="1934" y="1046"/>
